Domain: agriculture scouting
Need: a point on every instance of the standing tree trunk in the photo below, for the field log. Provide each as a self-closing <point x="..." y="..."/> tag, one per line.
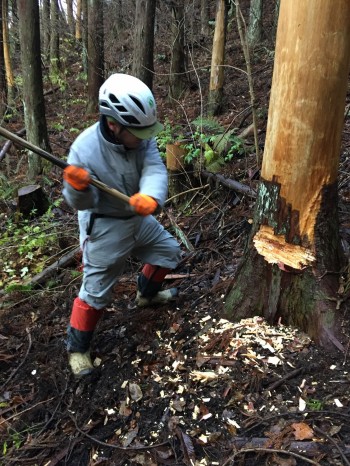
<point x="205" y="16"/>
<point x="54" y="41"/>
<point x="33" y="96"/>
<point x="70" y="17"/>
<point x="3" y="87"/>
<point x="218" y="60"/>
<point x="10" y="81"/>
<point x="85" y="34"/>
<point x="95" y="53"/>
<point x="290" y="270"/>
<point x="177" y="65"/>
<point x="78" y="36"/>
<point x="46" y="27"/>
<point x="255" y="22"/>
<point x="142" y="66"/>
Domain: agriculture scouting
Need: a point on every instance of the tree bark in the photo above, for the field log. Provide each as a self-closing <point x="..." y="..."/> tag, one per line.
<point x="177" y="64"/>
<point x="54" y="41"/>
<point x="142" y="66"/>
<point x="291" y="266"/>
<point x="70" y="17"/>
<point x="205" y="16"/>
<point x="7" y="56"/>
<point x="255" y="22"/>
<point x="33" y="97"/>
<point x="95" y="53"/>
<point x="46" y="27"/>
<point x="78" y="35"/>
<point x="218" y="60"/>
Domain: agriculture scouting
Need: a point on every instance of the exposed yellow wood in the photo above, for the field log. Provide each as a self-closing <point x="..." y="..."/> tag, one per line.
<point x="276" y="250"/>
<point x="306" y="107"/>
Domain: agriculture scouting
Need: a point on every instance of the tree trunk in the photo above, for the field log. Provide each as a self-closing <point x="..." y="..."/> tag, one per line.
<point x="177" y="65"/>
<point x="205" y="16"/>
<point x="142" y="66"/>
<point x="95" y="53"/>
<point x="85" y="34"/>
<point x="70" y="17"/>
<point x="78" y="35"/>
<point x="255" y="22"/>
<point x="54" y="41"/>
<point x="33" y="96"/>
<point x="46" y="27"/>
<point x="290" y="269"/>
<point x="218" y="60"/>
<point x="3" y="87"/>
<point x="10" y="81"/>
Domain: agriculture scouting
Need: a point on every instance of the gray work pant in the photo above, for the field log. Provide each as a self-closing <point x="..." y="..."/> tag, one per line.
<point x="111" y="242"/>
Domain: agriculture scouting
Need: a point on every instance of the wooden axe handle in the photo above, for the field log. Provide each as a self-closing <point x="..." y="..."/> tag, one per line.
<point x="60" y="163"/>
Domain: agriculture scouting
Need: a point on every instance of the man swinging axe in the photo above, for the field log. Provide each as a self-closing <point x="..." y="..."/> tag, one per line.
<point x="120" y="151"/>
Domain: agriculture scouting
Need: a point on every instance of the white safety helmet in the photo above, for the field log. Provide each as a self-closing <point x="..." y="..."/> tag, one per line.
<point x="129" y="101"/>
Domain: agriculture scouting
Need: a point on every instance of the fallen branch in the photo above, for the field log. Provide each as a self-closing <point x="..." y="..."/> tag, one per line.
<point x="8" y="144"/>
<point x="61" y="263"/>
<point x="231" y="184"/>
<point x="288" y="376"/>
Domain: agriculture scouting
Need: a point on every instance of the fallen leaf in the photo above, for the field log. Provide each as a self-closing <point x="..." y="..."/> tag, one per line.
<point x="302" y="431"/>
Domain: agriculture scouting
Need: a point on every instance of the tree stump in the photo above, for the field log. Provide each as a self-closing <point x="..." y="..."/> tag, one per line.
<point x="32" y="201"/>
<point x="175" y="155"/>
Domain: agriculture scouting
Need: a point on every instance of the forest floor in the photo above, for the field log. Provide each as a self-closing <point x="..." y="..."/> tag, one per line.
<point x="178" y="384"/>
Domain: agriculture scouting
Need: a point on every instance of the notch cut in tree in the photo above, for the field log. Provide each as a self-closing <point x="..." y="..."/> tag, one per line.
<point x="291" y="268"/>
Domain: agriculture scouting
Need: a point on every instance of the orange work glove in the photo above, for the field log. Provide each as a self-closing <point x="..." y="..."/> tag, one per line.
<point x="143" y="204"/>
<point x="77" y="177"/>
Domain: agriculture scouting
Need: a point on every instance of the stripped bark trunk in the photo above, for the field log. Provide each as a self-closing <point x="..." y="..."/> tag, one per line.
<point x="292" y="263"/>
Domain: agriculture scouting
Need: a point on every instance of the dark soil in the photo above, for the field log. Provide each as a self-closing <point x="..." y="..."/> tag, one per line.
<point x="177" y="384"/>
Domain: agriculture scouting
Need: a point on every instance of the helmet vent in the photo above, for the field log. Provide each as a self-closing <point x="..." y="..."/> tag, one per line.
<point x="131" y="120"/>
<point x="138" y="103"/>
<point x="113" y="99"/>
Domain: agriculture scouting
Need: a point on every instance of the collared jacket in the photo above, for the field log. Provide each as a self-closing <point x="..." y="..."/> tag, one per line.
<point x="127" y="170"/>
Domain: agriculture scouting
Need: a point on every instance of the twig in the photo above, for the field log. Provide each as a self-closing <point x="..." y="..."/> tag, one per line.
<point x="25" y="410"/>
<point x="186" y="192"/>
<point x="117" y="447"/>
<point x="179" y="232"/>
<point x="270" y="450"/>
<point x="330" y="439"/>
<point x="21" y="364"/>
<point x="283" y="379"/>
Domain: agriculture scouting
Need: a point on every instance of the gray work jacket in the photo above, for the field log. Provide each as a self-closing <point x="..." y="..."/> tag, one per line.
<point x="129" y="171"/>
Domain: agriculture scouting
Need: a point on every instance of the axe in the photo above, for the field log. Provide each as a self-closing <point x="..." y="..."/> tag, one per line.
<point x="60" y="163"/>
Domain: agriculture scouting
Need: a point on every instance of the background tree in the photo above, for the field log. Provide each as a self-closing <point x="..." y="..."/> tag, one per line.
<point x="205" y="16"/>
<point x="142" y="66"/>
<point x="294" y="246"/>
<point x="70" y="17"/>
<point x="177" y="63"/>
<point x="54" y="40"/>
<point x="95" y="53"/>
<point x="45" y="27"/>
<point x="85" y="34"/>
<point x="33" y="97"/>
<point x="3" y="89"/>
<point x="78" y="25"/>
<point x="10" y="81"/>
<point x="255" y="22"/>
<point x="216" y="86"/>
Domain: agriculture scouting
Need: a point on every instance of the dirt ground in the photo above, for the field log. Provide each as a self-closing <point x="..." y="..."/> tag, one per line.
<point x="177" y="384"/>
